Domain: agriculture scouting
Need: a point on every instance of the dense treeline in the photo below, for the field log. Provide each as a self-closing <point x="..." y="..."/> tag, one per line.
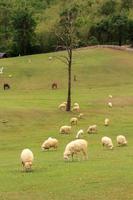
<point x="29" y="27"/>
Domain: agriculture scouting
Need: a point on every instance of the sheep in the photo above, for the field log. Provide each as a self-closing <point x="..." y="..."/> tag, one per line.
<point x="121" y="140"/>
<point x="50" y="58"/>
<point x="62" y="106"/>
<point x="65" y="129"/>
<point x="27" y="158"/>
<point x="75" y="109"/>
<point x="92" y="129"/>
<point x="79" y="133"/>
<point x="106" y="141"/>
<point x="73" y="121"/>
<point x="76" y="104"/>
<point x="80" y="116"/>
<point x="50" y="143"/>
<point x="75" y="147"/>
<point x="10" y="75"/>
<point x="110" y="104"/>
<point x="106" y="122"/>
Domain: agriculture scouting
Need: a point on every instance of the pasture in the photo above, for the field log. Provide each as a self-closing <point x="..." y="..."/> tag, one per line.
<point x="30" y="110"/>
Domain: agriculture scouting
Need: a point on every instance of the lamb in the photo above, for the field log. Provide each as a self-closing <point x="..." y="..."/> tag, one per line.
<point x="110" y="104"/>
<point x="110" y="96"/>
<point x="50" y="143"/>
<point x="76" y="108"/>
<point x="75" y="147"/>
<point x="65" y="129"/>
<point x="62" y="106"/>
<point x="121" y="140"/>
<point x="73" y="121"/>
<point x="80" y="116"/>
<point x="106" y="141"/>
<point x="92" y="129"/>
<point x="106" y="122"/>
<point x="27" y="158"/>
<point x="79" y="134"/>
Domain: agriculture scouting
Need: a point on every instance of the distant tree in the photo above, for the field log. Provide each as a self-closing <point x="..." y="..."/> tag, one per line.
<point x="24" y="30"/>
<point x="126" y="4"/>
<point x="5" y="25"/>
<point x="130" y="32"/>
<point x="119" y="27"/>
<point x="108" y="7"/>
<point x="67" y="40"/>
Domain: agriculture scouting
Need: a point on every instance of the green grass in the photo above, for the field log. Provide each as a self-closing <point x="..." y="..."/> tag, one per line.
<point x="31" y="108"/>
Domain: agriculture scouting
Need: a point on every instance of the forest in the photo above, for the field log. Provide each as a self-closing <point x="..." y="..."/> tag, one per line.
<point x="29" y="27"/>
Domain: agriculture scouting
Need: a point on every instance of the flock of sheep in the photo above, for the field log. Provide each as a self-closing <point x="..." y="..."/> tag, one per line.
<point x="76" y="146"/>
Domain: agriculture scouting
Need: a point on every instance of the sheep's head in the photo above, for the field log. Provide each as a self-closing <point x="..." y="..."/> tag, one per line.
<point x="111" y="146"/>
<point x="67" y="155"/>
<point x="28" y="165"/>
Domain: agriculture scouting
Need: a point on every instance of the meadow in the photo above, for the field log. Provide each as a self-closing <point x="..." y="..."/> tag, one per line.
<point x="30" y="110"/>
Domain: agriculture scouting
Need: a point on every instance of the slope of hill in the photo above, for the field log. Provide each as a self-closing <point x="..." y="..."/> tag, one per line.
<point x="30" y="112"/>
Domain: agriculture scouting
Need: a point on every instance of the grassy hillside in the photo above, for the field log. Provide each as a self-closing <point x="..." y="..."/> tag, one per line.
<point x="31" y="108"/>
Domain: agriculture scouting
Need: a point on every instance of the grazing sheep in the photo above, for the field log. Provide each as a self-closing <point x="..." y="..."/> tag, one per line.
<point x="110" y="96"/>
<point x="75" y="104"/>
<point x="106" y="122"/>
<point x="50" y="58"/>
<point x="50" y="143"/>
<point x="73" y="121"/>
<point x="92" y="129"/>
<point x="76" y="108"/>
<point x="62" y="106"/>
<point x="79" y="134"/>
<point x="80" y="116"/>
<point x="75" y="147"/>
<point x="106" y="141"/>
<point x="27" y="159"/>
<point x="65" y="129"/>
<point x="110" y="104"/>
<point x="121" y="140"/>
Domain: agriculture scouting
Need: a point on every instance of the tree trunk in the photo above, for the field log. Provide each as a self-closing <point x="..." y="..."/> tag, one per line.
<point x="68" y="108"/>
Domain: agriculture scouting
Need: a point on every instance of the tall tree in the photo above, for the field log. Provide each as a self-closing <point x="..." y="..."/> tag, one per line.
<point x="67" y="40"/>
<point x="24" y="27"/>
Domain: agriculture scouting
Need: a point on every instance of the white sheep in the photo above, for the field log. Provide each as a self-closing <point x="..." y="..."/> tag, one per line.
<point x="75" y="104"/>
<point x="110" y="104"/>
<point x="110" y="96"/>
<point x="73" y="121"/>
<point x="50" y="143"/>
<point x="79" y="134"/>
<point x="50" y="58"/>
<point x="80" y="116"/>
<point x="107" y="142"/>
<point x="106" y="122"/>
<point x="121" y="140"/>
<point x="65" y="129"/>
<point x="62" y="106"/>
<point x="27" y="158"/>
<point x="92" y="129"/>
<point x="75" y="109"/>
<point x="75" y="147"/>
